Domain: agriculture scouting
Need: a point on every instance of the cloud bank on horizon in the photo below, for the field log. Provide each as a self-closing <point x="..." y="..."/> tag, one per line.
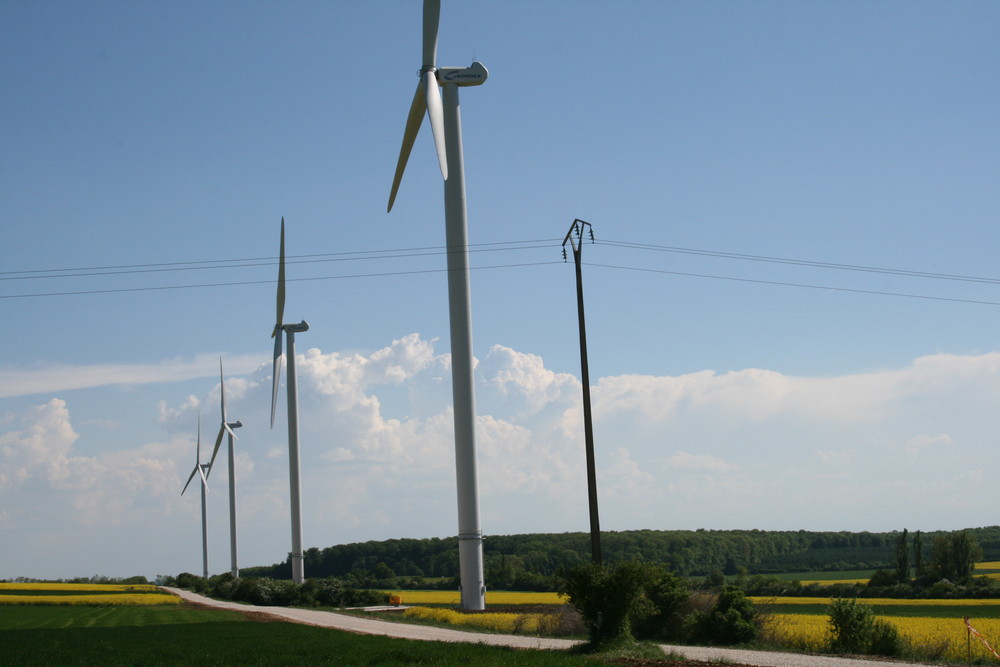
<point x="751" y="448"/>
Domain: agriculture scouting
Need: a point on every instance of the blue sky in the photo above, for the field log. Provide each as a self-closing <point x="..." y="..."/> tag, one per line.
<point x="159" y="145"/>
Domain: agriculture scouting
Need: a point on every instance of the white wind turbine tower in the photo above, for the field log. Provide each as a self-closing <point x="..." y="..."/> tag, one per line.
<point x="227" y="429"/>
<point x="199" y="468"/>
<point x="291" y="384"/>
<point x="446" y="125"/>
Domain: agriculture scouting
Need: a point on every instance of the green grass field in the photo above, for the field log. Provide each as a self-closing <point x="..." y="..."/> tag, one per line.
<point x="184" y="635"/>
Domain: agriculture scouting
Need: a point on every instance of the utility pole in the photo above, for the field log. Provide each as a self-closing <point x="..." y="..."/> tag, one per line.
<point x="574" y="237"/>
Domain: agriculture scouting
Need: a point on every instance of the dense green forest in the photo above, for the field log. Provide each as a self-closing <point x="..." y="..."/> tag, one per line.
<point x="526" y="562"/>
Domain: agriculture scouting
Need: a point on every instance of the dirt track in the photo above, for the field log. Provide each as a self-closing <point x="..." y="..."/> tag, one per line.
<point x="326" y="619"/>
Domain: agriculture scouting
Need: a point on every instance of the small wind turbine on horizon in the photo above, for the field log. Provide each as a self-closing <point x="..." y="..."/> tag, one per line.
<point x="291" y="385"/>
<point x="227" y="429"/>
<point x="446" y="126"/>
<point x="199" y="469"/>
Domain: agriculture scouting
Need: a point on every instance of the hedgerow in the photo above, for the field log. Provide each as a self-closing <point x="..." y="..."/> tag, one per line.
<point x="263" y="591"/>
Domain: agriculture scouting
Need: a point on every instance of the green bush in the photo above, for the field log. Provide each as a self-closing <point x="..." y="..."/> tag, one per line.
<point x="353" y="597"/>
<point x="669" y="602"/>
<point x="225" y="587"/>
<point x="609" y="596"/>
<point x="285" y="593"/>
<point x="855" y="629"/>
<point x="264" y="591"/>
<point x="731" y="620"/>
<point x="192" y="582"/>
<point x="885" y="639"/>
<point x="628" y="600"/>
<point x="851" y="626"/>
<point x="883" y="578"/>
<point x="253" y="590"/>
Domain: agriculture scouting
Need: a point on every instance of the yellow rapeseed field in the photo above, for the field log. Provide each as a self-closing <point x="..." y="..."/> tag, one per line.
<point x="84" y="594"/>
<point x="990" y="570"/>
<point x="945" y="638"/>
<point x="50" y="586"/>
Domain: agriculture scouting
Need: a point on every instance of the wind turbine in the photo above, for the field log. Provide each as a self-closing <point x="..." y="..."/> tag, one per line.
<point x="227" y="428"/>
<point x="446" y="126"/>
<point x="199" y="468"/>
<point x="298" y="573"/>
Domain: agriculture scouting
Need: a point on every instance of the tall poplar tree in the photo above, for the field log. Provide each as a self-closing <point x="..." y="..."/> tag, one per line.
<point x="903" y="557"/>
<point x="918" y="554"/>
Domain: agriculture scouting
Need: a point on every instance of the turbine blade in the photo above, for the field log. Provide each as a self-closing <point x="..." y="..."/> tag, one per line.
<point x="190" y="477"/>
<point x="413" y="121"/>
<point x="427" y="98"/>
<point x="204" y="477"/>
<point x="197" y="457"/>
<point x="276" y="374"/>
<point x="432" y="17"/>
<point x="281" y="282"/>
<point x="222" y="392"/>
<point x="218" y="442"/>
<point x="435" y="113"/>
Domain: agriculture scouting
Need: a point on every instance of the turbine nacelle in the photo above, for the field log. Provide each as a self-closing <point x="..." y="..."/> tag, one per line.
<point x="474" y="75"/>
<point x="296" y="328"/>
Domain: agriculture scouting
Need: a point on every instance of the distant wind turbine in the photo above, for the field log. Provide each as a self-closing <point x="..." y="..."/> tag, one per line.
<point x="227" y="429"/>
<point x="199" y="469"/>
<point x="446" y="126"/>
<point x="298" y="573"/>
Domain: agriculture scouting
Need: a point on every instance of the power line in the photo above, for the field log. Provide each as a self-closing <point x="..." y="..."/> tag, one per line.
<point x="394" y="253"/>
<point x="262" y="282"/>
<point x="425" y="251"/>
<point x="802" y="285"/>
<point x="798" y="262"/>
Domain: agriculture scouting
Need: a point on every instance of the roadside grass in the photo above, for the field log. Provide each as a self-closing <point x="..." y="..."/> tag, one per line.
<point x="192" y="636"/>
<point x="624" y="650"/>
<point x="561" y="621"/>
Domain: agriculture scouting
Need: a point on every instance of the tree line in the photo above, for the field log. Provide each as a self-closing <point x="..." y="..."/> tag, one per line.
<point x="528" y="562"/>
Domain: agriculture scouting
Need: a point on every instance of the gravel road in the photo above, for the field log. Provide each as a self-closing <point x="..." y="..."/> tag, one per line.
<point x="326" y="619"/>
